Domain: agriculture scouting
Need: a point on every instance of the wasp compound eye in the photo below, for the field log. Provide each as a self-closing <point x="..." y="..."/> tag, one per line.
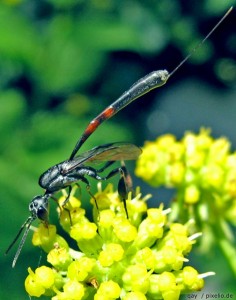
<point x="39" y="207"/>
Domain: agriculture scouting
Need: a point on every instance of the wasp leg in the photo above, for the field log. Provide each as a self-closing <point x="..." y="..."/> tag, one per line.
<point x="123" y="184"/>
<point x="60" y="208"/>
<point x="63" y="204"/>
<point x="128" y="178"/>
<point x="94" y="198"/>
<point x="92" y="173"/>
<point x="56" y="200"/>
<point x="68" y="196"/>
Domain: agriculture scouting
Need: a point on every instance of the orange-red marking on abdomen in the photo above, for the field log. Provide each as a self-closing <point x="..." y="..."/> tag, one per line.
<point x="105" y="115"/>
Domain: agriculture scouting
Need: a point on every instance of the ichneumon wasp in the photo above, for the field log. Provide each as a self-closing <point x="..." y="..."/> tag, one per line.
<point x="74" y="169"/>
<point x="62" y="175"/>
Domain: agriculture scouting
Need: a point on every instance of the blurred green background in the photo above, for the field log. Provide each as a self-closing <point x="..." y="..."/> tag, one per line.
<point x="63" y="61"/>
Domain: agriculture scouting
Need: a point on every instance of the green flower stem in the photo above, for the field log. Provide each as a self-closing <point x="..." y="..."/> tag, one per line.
<point x="227" y="248"/>
<point x="229" y="252"/>
<point x="222" y="233"/>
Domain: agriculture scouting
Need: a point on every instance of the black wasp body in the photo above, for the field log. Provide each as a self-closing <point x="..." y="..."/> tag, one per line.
<point x="64" y="174"/>
<point x="67" y="172"/>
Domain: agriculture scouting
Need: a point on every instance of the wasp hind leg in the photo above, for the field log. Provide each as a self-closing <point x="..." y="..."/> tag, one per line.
<point x="124" y="184"/>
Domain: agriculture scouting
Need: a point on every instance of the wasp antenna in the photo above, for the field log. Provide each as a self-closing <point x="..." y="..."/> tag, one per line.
<point x="26" y="224"/>
<point x="22" y="242"/>
<point x="17" y="236"/>
<point x="202" y="41"/>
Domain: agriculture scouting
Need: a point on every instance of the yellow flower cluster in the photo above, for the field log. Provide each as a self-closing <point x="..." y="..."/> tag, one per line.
<point x="138" y="258"/>
<point x="201" y="168"/>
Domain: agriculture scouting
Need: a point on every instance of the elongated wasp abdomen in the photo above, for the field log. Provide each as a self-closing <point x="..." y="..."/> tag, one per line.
<point x="149" y="82"/>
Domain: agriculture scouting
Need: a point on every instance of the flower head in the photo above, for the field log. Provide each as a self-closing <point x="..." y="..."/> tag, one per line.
<point x="201" y="168"/>
<point x="115" y="257"/>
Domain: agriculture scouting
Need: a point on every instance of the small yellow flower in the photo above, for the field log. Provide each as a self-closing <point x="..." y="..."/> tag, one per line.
<point x="81" y="268"/>
<point x="72" y="290"/>
<point x="37" y="283"/>
<point x="192" y="194"/>
<point x="108" y="290"/>
<point x="59" y="257"/>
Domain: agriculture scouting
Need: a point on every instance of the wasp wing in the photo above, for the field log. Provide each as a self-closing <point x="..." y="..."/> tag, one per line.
<point x="107" y="152"/>
<point x="116" y="151"/>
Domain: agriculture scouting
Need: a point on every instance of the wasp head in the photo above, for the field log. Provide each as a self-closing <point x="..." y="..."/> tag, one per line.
<point x="38" y="207"/>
